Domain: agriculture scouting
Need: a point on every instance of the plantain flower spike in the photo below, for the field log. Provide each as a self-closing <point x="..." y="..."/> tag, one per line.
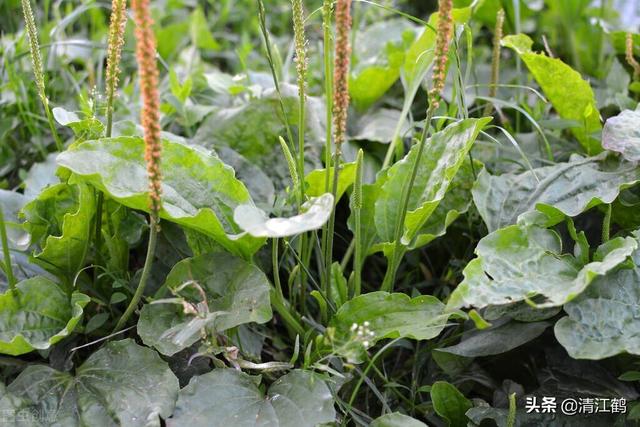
<point x="150" y="115"/>
<point x="629" y="56"/>
<point x="341" y="71"/>
<point x="443" y="39"/>
<point x="114" y="51"/>
<point x="300" y="45"/>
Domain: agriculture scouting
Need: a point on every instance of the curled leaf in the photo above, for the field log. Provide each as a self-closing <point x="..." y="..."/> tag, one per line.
<point x="255" y="221"/>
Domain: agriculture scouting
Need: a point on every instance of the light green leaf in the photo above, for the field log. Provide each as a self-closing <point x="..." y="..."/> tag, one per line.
<point x="622" y="134"/>
<point x="392" y="315"/>
<point x="237" y="292"/>
<point x="450" y="404"/>
<point x="199" y="190"/>
<point x="121" y="384"/>
<point x="396" y="419"/>
<point x="518" y="263"/>
<point x="568" y="188"/>
<point x="84" y="129"/>
<point x="37" y="315"/>
<point x="370" y="84"/>
<point x="201" y="37"/>
<point x="568" y="92"/>
<point x="60" y="221"/>
<point x="257" y="223"/>
<point x="455" y="202"/>
<point x="605" y="319"/>
<point x="380" y="51"/>
<point x="315" y="180"/>
<point x="444" y="154"/>
<point x="226" y="397"/>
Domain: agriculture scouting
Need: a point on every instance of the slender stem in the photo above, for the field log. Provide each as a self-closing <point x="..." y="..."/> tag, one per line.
<point x="275" y="266"/>
<point x="52" y="126"/>
<point x="606" y="224"/>
<point x="274" y="75"/>
<point x="328" y="93"/>
<point x="357" y="281"/>
<point x="146" y="271"/>
<point x="332" y="222"/>
<point x="8" y="268"/>
<point x="398" y="250"/>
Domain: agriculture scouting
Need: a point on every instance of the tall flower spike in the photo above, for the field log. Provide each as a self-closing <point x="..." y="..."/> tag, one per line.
<point x="443" y="39"/>
<point x="629" y="56"/>
<point x="34" y="47"/>
<point x="150" y="115"/>
<point x="300" y="45"/>
<point x="341" y="71"/>
<point x="38" y="71"/>
<point x="114" y="52"/>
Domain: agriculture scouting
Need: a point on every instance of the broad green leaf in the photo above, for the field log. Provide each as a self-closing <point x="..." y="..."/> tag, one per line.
<point x="570" y="95"/>
<point x="252" y="130"/>
<point x="520" y="263"/>
<point x="84" y="129"/>
<point x="497" y="339"/>
<point x="37" y="315"/>
<point x="565" y="188"/>
<point x="121" y="384"/>
<point x="444" y="154"/>
<point x="12" y="203"/>
<point x="622" y="134"/>
<point x="378" y="126"/>
<point x="373" y="82"/>
<point x="379" y="56"/>
<point x="40" y="176"/>
<point x="450" y="404"/>
<point x="455" y="202"/>
<point x="199" y="190"/>
<point x="315" y="180"/>
<point x="60" y="221"/>
<point x="201" y="37"/>
<point x="392" y="315"/>
<point x="605" y="319"/>
<point x="226" y="397"/>
<point x="255" y="222"/>
<point x="237" y="292"/>
<point x="396" y="419"/>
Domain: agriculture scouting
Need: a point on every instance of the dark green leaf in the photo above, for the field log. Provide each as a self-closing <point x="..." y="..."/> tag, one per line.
<point x="226" y="397"/>
<point x="605" y="319"/>
<point x="450" y="404"/>
<point x="121" y="384"/>
<point x="568" y="188"/>
<point x="237" y="292"/>
<point x="37" y="315"/>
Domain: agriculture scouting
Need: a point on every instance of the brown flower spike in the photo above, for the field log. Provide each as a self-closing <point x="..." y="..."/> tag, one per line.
<point x="341" y="71"/>
<point x="629" y="56"/>
<point x="150" y="115"/>
<point x="114" y="52"/>
<point x="443" y="39"/>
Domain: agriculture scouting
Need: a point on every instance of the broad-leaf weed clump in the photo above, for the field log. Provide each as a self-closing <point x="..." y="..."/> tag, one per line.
<point x="301" y="213"/>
